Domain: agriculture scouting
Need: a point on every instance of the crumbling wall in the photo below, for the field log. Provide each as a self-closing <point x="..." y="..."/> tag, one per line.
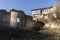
<point x="13" y="19"/>
<point x="17" y="14"/>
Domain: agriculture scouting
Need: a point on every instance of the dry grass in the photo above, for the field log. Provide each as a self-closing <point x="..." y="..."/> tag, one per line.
<point x="54" y="31"/>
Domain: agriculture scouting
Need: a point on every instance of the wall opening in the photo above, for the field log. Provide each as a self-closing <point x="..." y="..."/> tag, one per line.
<point x="18" y="20"/>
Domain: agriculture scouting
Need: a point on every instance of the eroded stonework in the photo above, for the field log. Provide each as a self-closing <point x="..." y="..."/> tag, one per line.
<point x="10" y="19"/>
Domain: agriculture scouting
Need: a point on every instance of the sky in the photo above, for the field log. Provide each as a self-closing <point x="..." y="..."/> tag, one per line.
<point x="25" y="5"/>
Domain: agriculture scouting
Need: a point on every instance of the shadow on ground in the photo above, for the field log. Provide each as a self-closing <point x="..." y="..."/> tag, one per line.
<point x="19" y="34"/>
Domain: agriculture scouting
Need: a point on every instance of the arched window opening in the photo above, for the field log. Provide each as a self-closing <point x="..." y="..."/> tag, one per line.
<point x="18" y="20"/>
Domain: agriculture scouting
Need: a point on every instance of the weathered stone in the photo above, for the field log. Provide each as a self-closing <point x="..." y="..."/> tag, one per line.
<point x="17" y="14"/>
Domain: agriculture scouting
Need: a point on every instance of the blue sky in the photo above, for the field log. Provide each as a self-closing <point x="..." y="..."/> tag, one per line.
<point x="25" y="5"/>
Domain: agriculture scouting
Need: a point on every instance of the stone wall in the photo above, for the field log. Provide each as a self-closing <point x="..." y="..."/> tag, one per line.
<point x="17" y="14"/>
<point x="4" y="18"/>
<point x="9" y="19"/>
<point x="28" y="21"/>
